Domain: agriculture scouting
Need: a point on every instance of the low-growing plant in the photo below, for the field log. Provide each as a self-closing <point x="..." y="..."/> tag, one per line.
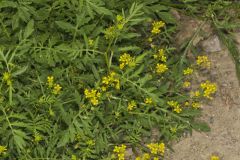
<point x="89" y="79"/>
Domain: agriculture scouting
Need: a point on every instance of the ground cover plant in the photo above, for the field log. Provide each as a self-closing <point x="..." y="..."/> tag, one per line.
<point x="89" y="79"/>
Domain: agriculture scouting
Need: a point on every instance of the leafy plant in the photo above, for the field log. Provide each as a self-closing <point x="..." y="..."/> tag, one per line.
<point x="80" y="77"/>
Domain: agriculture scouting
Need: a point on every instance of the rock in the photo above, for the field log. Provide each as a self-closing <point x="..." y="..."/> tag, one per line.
<point x="212" y="44"/>
<point x="237" y="37"/>
<point x="129" y="153"/>
<point x="187" y="28"/>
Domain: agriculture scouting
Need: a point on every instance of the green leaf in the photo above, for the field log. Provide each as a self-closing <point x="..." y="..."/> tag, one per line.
<point x="129" y="48"/>
<point x="20" y="71"/>
<point x="167" y="17"/>
<point x="65" y="25"/>
<point x="201" y="126"/>
<point x="29" y="29"/>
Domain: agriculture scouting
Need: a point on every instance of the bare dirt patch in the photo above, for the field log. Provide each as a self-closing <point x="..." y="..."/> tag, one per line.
<point x="222" y="114"/>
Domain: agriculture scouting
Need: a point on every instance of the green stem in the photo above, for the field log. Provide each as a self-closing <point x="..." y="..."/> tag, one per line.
<point x="190" y="43"/>
<point x="8" y="121"/>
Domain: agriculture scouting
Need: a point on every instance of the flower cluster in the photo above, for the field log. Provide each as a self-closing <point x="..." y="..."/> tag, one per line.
<point x="125" y="60"/>
<point x="215" y="158"/>
<point x="203" y="61"/>
<point x="161" y="68"/>
<point x="3" y="149"/>
<point x="160" y="55"/>
<point x="148" y="101"/>
<point x="145" y="156"/>
<point x="120" y="151"/>
<point x="156" y="148"/>
<point x="187" y="71"/>
<point x="93" y="95"/>
<point x="7" y="78"/>
<point x="156" y="27"/>
<point x="131" y="105"/>
<point x="186" y="84"/>
<point x="195" y="105"/>
<point x="175" y="105"/>
<point x="208" y="89"/>
<point x="56" y="88"/>
<point x="110" y="81"/>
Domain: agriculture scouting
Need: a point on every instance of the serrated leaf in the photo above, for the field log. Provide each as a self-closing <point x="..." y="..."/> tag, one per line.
<point x="65" y="25"/>
<point x="20" y="71"/>
<point x="167" y="17"/>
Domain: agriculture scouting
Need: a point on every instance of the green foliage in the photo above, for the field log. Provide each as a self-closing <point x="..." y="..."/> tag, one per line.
<point x="79" y="42"/>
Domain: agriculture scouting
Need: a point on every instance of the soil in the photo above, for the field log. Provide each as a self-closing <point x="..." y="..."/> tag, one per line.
<point x="222" y="114"/>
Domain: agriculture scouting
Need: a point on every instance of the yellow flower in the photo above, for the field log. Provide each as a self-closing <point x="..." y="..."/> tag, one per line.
<point x="161" y="68"/>
<point x="173" y="129"/>
<point x="156" y="148"/>
<point x="117" y="86"/>
<point x="50" y="80"/>
<point x="196" y="105"/>
<point x="160" y="55"/>
<point x="93" y="95"/>
<point x="146" y="156"/>
<point x="138" y="158"/>
<point x="148" y="101"/>
<point x="7" y="78"/>
<point x="131" y="105"/>
<point x="3" y="149"/>
<point x="56" y="89"/>
<point x="153" y="148"/>
<point x="186" y="84"/>
<point x="197" y="93"/>
<point x="208" y="89"/>
<point x="177" y="109"/>
<point x="120" y="151"/>
<point x="126" y="60"/>
<point x="215" y="158"/>
<point x="156" y="26"/>
<point x="155" y="158"/>
<point x="188" y="71"/>
<point x="105" y="80"/>
<point x="161" y="148"/>
<point x="149" y="39"/>
<point x="104" y="88"/>
<point x="111" y="80"/>
<point x="203" y="61"/>
<point x="175" y="105"/>
<point x="186" y="103"/>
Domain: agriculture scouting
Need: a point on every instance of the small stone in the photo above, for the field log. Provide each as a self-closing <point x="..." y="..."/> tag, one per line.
<point x="212" y="44"/>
